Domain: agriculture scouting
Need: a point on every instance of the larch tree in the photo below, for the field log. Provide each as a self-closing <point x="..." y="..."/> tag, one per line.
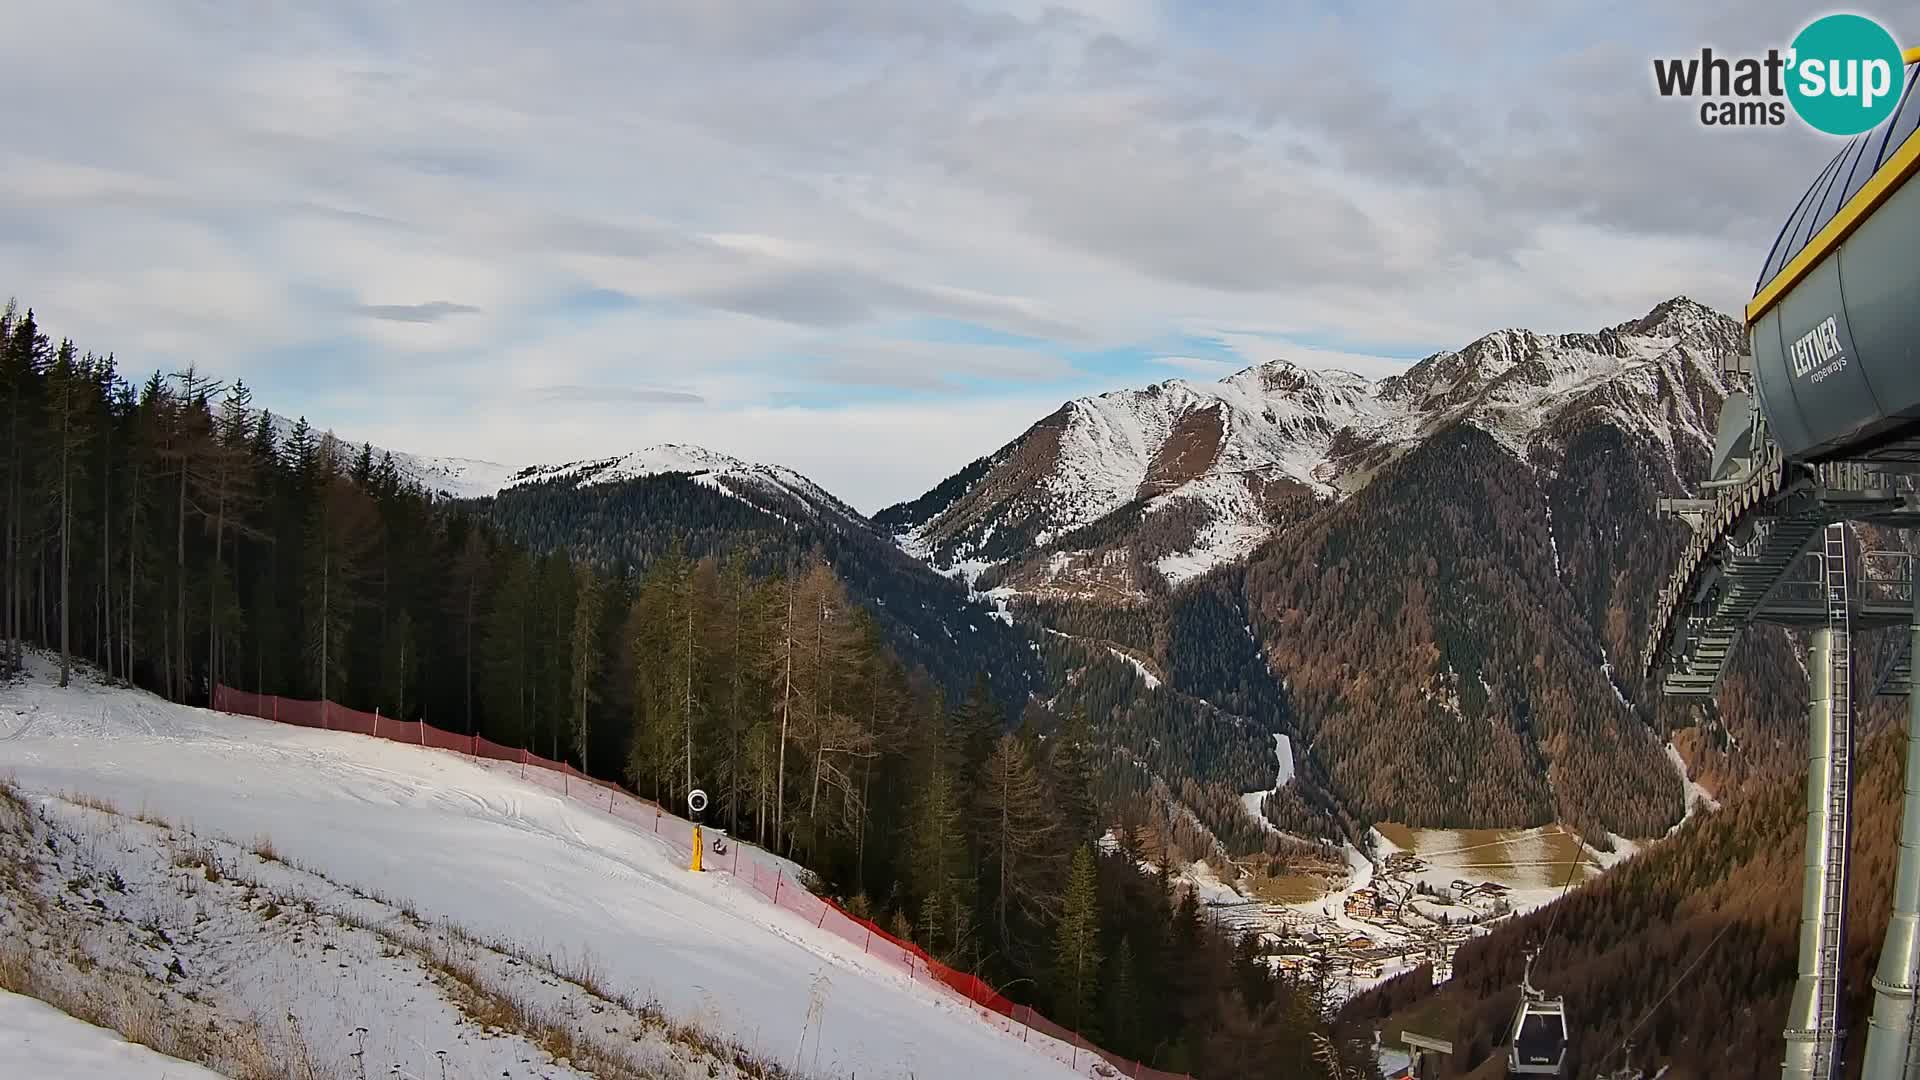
<point x="738" y="640"/>
<point x="1016" y="830"/>
<point x="789" y="698"/>
<point x="656" y="751"/>
<point x="833" y="734"/>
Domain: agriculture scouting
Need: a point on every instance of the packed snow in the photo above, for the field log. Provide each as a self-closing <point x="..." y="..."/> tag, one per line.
<point x="37" y="1039"/>
<point x="721" y="472"/>
<point x="1283" y="753"/>
<point x="176" y="934"/>
<point x="453" y="477"/>
<point x="511" y="862"/>
<point x="1152" y="681"/>
<point x="1221" y="543"/>
<point x="1696" y="795"/>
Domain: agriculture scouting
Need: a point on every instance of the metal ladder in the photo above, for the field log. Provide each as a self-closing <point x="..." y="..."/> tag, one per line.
<point x="1839" y="800"/>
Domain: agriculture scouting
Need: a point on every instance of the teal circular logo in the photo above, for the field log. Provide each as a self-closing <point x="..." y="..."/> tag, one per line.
<point x="1845" y="74"/>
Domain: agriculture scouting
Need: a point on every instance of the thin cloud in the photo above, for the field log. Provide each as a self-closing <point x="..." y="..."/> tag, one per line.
<point x="895" y="166"/>
<point x="430" y="312"/>
<point x="612" y="395"/>
<point x="1200" y="365"/>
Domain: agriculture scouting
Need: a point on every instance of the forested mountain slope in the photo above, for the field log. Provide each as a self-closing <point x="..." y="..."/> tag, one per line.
<point x="1437" y="583"/>
<point x="165" y="531"/>
<point x="1711" y="915"/>
<point x="632" y="510"/>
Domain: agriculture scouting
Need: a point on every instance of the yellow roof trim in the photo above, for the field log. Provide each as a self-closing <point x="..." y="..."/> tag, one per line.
<point x="1878" y="190"/>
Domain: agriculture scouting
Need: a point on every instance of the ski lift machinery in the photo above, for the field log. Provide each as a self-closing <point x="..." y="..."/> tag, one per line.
<point x="1829" y="436"/>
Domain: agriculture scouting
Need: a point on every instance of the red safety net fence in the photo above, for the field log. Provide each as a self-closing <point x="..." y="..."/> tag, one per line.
<point x="769" y="875"/>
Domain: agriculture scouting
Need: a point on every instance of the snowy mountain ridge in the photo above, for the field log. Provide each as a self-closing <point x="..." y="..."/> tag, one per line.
<point x="722" y="472"/>
<point x="474" y="478"/>
<point x="448" y="477"/>
<point x="1218" y="464"/>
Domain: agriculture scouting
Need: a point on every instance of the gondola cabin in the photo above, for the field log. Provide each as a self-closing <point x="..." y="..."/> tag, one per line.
<point x="1539" y="1039"/>
<point x="1537" y="1043"/>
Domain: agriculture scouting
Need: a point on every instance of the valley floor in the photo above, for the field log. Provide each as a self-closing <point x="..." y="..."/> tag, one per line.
<point x="380" y="906"/>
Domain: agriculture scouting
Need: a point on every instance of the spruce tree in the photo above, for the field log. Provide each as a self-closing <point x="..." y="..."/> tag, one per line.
<point x="1076" y="957"/>
<point x="68" y="422"/>
<point x="589" y="594"/>
<point x="402" y="656"/>
<point x="1072" y="760"/>
<point x="1123" y="997"/>
<point x="505" y="646"/>
<point x="340" y="534"/>
<point x="938" y="866"/>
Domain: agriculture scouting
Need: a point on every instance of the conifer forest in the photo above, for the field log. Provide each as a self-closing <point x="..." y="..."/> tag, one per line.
<point x="171" y="532"/>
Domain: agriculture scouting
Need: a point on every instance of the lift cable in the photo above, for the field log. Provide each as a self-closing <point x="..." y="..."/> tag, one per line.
<point x="1573" y="868"/>
<point x="1648" y="1015"/>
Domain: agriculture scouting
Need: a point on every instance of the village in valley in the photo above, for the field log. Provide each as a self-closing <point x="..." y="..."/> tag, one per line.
<point x="1408" y="903"/>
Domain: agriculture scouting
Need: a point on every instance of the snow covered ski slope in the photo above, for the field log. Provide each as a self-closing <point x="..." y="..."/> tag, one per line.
<point x="40" y="1040"/>
<point x="507" y="860"/>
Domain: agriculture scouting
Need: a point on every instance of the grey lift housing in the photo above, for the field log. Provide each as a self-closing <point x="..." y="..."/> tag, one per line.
<point x="1836" y="355"/>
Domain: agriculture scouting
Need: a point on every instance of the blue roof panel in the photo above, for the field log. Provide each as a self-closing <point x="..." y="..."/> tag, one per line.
<point x="1842" y="179"/>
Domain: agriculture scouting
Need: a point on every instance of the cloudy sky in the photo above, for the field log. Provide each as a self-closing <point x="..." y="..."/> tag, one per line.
<point x="871" y="239"/>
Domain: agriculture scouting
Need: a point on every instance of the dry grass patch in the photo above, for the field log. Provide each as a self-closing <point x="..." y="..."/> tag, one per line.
<point x="10" y="795"/>
<point x="264" y="849"/>
<point x="91" y="802"/>
<point x="200" y="857"/>
<point x="136" y="1009"/>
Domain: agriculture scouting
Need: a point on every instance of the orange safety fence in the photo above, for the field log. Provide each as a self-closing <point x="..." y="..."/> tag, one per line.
<point x="749" y="864"/>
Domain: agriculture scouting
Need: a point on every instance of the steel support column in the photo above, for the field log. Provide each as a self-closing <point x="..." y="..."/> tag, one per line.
<point x="1812" y="1020"/>
<point x="1890" y="1034"/>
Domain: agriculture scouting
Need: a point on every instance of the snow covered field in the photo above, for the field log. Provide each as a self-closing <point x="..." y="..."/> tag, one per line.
<point x="37" y="1039"/>
<point x="415" y="830"/>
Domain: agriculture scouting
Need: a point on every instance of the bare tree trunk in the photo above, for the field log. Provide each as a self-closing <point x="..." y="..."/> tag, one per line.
<point x="326" y="615"/>
<point x="687" y="702"/>
<point x="470" y="584"/>
<point x="786" y="711"/>
<point x="1006" y="857"/>
<point x="213" y="585"/>
<point x="66" y="541"/>
<point x="106" y="545"/>
<point x="13" y="628"/>
<point x="180" y="583"/>
<point x="133" y="544"/>
<point x="733" y="712"/>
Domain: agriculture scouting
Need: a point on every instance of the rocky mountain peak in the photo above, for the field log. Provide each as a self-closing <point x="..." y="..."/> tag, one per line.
<point x="1215" y="457"/>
